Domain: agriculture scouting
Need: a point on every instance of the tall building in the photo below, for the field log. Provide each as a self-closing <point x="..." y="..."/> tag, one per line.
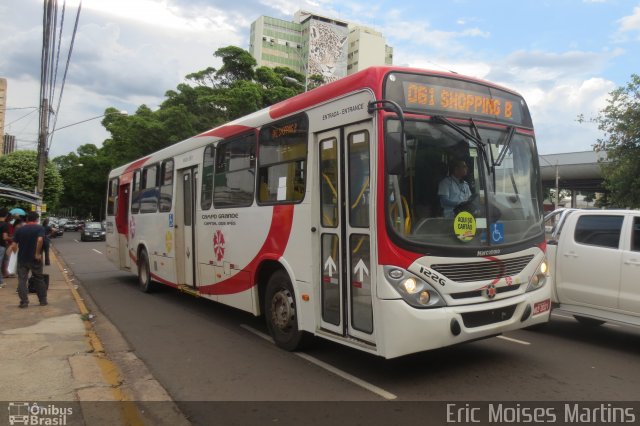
<point x="367" y="48"/>
<point x="9" y="145"/>
<point x="3" y="109"/>
<point x="315" y="44"/>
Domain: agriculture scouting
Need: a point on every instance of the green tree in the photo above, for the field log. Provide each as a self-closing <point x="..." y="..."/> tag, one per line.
<point x="20" y="170"/>
<point x="208" y="98"/>
<point x="85" y="175"/>
<point x="620" y="122"/>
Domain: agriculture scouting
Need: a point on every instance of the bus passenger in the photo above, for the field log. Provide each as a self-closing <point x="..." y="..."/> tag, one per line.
<point x="453" y="189"/>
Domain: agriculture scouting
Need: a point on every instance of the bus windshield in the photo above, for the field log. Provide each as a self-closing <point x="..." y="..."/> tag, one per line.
<point x="452" y="190"/>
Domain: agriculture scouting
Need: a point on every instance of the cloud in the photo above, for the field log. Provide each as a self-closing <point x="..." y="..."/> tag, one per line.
<point x="631" y="22"/>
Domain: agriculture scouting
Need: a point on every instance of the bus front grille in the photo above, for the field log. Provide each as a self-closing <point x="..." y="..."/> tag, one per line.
<point x="478" y="293"/>
<point x="484" y="270"/>
<point x="491" y="316"/>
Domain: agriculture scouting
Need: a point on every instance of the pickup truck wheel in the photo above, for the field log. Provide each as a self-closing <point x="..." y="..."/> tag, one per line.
<point x="590" y="322"/>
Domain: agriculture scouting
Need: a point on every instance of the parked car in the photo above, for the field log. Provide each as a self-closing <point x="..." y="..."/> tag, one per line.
<point x="56" y="230"/>
<point x="594" y="264"/>
<point x="71" y="225"/>
<point x="93" y="231"/>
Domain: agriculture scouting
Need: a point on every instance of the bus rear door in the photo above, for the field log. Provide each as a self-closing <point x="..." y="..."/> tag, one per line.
<point x="185" y="225"/>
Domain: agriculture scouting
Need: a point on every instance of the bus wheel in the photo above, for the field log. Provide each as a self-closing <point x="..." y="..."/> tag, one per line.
<point x="144" y="273"/>
<point x="280" y="312"/>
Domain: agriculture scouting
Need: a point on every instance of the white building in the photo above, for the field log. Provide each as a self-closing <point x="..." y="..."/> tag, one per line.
<point x="367" y="48"/>
<point x="315" y="44"/>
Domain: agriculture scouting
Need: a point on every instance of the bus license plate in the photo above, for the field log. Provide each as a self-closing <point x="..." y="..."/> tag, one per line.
<point x="540" y="307"/>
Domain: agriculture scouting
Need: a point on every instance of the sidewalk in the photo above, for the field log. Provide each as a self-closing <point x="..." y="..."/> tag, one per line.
<point x="51" y="353"/>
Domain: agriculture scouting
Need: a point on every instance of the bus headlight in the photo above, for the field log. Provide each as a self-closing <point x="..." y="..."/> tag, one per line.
<point x="413" y="290"/>
<point x="539" y="279"/>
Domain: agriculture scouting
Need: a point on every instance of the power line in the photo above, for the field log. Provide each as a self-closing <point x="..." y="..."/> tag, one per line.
<point x="24" y="116"/>
<point x="66" y="69"/>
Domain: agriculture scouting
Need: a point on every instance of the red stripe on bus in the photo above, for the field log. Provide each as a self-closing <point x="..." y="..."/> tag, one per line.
<point x="272" y="249"/>
<point x="136" y="164"/>
<point x="370" y="78"/>
<point x="225" y="131"/>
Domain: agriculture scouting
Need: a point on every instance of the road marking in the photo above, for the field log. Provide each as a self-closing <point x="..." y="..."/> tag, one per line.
<point x="97" y="251"/>
<point x="77" y="241"/>
<point x="522" y="342"/>
<point x="346" y="376"/>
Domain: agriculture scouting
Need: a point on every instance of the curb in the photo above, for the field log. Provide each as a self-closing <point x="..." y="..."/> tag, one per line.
<point x="110" y="372"/>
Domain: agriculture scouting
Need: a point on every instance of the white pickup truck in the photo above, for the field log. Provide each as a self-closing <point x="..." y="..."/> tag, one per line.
<point x="594" y="264"/>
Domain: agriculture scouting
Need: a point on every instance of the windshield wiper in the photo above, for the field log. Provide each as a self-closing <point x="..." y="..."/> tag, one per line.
<point x="475" y="139"/>
<point x="507" y="144"/>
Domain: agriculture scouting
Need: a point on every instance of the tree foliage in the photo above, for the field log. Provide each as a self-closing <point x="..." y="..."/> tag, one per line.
<point x="20" y="170"/>
<point x="620" y="122"/>
<point x="207" y="98"/>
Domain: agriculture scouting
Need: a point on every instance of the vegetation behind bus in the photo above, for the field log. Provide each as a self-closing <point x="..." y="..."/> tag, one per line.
<point x="208" y="98"/>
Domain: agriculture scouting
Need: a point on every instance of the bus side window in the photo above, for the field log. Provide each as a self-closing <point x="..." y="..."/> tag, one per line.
<point x="166" y="186"/>
<point x="206" y="195"/>
<point x="234" y="176"/>
<point x="149" y="199"/>
<point x="136" y="193"/>
<point x="282" y="161"/>
<point x="112" y="197"/>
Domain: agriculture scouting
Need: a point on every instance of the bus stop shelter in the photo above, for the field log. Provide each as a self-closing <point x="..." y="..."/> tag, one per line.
<point x="7" y="191"/>
<point x="573" y="171"/>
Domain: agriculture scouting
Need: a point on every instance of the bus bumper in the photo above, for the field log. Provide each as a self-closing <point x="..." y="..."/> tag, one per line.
<point x="406" y="330"/>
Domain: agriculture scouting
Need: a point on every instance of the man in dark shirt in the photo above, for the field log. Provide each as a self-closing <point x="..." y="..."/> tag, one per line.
<point x="28" y="240"/>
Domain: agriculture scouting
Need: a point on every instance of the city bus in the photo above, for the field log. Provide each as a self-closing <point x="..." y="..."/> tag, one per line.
<point x="324" y="214"/>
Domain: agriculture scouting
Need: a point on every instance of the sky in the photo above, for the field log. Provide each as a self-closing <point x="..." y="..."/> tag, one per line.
<point x="563" y="56"/>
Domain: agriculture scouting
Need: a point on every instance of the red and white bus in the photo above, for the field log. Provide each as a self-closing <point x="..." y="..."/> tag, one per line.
<point x="323" y="214"/>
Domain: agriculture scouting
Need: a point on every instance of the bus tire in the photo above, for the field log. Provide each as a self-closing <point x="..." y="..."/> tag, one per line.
<point x="280" y="312"/>
<point x="144" y="273"/>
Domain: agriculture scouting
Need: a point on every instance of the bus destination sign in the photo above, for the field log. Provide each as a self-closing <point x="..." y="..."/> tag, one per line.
<point x="443" y="98"/>
<point x="433" y="95"/>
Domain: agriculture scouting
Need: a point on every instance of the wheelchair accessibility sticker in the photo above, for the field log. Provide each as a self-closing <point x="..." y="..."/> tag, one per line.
<point x="497" y="232"/>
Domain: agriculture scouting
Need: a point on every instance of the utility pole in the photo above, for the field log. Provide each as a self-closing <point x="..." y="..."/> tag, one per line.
<point x="42" y="144"/>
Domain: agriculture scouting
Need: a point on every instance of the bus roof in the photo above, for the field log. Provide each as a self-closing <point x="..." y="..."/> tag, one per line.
<point x="369" y="78"/>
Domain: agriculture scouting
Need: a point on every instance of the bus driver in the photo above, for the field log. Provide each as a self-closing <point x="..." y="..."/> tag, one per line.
<point x="453" y="189"/>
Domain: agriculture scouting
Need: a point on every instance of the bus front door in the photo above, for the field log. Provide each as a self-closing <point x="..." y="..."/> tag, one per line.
<point x="122" y="225"/>
<point x="346" y="280"/>
<point x="185" y="226"/>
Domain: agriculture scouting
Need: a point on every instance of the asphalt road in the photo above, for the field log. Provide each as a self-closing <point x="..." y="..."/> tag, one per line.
<point x="201" y="351"/>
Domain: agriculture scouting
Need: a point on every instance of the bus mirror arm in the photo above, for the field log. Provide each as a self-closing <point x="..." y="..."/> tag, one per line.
<point x="392" y="106"/>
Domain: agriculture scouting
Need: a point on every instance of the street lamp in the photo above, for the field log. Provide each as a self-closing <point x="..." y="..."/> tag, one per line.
<point x="294" y="81"/>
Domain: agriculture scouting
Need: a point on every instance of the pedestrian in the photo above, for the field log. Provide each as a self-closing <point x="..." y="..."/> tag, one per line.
<point x="6" y="219"/>
<point x="47" y="241"/>
<point x="28" y="239"/>
<point x="4" y="241"/>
